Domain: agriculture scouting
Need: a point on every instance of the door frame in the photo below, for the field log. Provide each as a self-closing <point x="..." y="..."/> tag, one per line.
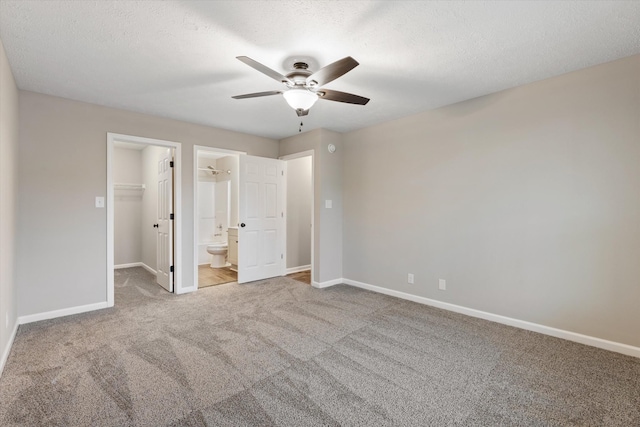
<point x="196" y="150"/>
<point x="177" y="201"/>
<point x="313" y="200"/>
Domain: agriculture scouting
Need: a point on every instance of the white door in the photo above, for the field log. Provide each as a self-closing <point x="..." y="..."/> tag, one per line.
<point x="261" y="231"/>
<point x="164" y="250"/>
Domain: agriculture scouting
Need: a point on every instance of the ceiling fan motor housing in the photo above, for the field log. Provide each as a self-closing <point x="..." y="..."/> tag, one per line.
<point x="299" y="74"/>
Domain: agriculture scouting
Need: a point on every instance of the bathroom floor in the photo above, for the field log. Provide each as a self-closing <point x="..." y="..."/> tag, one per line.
<point x="208" y="276"/>
<point x="302" y="276"/>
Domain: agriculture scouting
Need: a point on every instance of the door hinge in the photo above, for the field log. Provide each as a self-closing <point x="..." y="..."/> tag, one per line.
<point x="171" y="164"/>
<point x="282" y="173"/>
<point x="170" y="216"/>
<point x="282" y="214"/>
<point x="171" y="269"/>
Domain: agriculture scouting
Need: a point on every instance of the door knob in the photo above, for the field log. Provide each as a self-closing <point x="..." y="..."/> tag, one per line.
<point x="155" y="225"/>
<point x="242" y="225"/>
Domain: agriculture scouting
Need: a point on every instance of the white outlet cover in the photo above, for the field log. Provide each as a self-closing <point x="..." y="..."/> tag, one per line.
<point x="99" y="202"/>
<point x="410" y="278"/>
<point x="328" y="204"/>
<point x="442" y="285"/>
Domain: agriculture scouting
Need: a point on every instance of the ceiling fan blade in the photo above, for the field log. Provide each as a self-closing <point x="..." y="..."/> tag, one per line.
<point x="302" y="112"/>
<point x="335" y="95"/>
<point x="257" y="94"/>
<point x="264" y="69"/>
<point x="332" y="72"/>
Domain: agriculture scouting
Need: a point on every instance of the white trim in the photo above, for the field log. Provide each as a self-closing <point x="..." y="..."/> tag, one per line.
<point x="130" y="265"/>
<point x="297" y="155"/>
<point x="196" y="149"/>
<point x="60" y="313"/>
<point x="522" y="324"/>
<point x="7" y="350"/>
<point x="326" y="284"/>
<point x="189" y="289"/>
<point x="177" y="197"/>
<point x="149" y="269"/>
<point x="298" y="269"/>
<point x="135" y="264"/>
<point x="313" y="203"/>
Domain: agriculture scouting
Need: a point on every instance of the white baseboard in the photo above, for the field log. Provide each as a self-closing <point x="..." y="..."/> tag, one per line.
<point x="629" y="350"/>
<point x="131" y="264"/>
<point x="149" y="269"/>
<point x="60" y="313"/>
<point x="326" y="284"/>
<point x="7" y="349"/>
<point x="298" y="269"/>
<point x="186" y="290"/>
<point x="136" y="264"/>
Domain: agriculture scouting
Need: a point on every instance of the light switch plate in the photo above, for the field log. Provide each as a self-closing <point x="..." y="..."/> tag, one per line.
<point x="328" y="204"/>
<point x="99" y="202"/>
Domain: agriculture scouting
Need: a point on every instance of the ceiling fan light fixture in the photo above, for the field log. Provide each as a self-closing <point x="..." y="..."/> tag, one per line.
<point x="300" y="99"/>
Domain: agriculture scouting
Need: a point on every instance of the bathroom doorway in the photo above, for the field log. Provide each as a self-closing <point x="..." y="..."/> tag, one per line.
<point x="143" y="198"/>
<point x="216" y="192"/>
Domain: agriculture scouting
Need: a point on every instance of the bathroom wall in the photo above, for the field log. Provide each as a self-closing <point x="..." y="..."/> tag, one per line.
<point x="299" y="198"/>
<point x="127" y="210"/>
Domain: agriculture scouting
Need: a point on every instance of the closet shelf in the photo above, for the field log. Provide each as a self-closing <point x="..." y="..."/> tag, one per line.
<point x="134" y="187"/>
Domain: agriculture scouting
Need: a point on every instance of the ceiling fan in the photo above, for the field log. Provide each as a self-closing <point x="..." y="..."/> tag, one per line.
<point x="303" y="85"/>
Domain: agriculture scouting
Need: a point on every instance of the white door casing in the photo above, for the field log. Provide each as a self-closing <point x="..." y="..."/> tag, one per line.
<point x="164" y="276"/>
<point x="261" y="240"/>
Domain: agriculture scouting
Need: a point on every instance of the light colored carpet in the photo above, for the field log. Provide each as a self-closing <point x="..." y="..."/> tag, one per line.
<point x="279" y="352"/>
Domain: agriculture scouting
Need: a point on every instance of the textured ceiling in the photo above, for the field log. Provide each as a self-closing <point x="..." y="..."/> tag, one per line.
<point x="177" y="58"/>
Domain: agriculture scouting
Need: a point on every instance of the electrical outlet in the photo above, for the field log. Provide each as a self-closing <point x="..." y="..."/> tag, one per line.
<point x="410" y="278"/>
<point x="442" y="285"/>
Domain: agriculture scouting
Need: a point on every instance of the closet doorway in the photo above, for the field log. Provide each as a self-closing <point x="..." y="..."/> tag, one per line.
<point x="143" y="209"/>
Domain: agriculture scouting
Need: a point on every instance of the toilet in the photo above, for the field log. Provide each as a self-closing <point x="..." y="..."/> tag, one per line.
<point x="218" y="253"/>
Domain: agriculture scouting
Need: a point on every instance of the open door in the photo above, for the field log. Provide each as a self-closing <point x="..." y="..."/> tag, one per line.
<point x="261" y="232"/>
<point x="164" y="275"/>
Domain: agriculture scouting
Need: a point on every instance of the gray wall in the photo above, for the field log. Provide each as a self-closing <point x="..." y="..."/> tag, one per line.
<point x="327" y="182"/>
<point x="8" y="204"/>
<point x="299" y="198"/>
<point x="62" y="168"/>
<point x="127" y="210"/>
<point x="526" y="201"/>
